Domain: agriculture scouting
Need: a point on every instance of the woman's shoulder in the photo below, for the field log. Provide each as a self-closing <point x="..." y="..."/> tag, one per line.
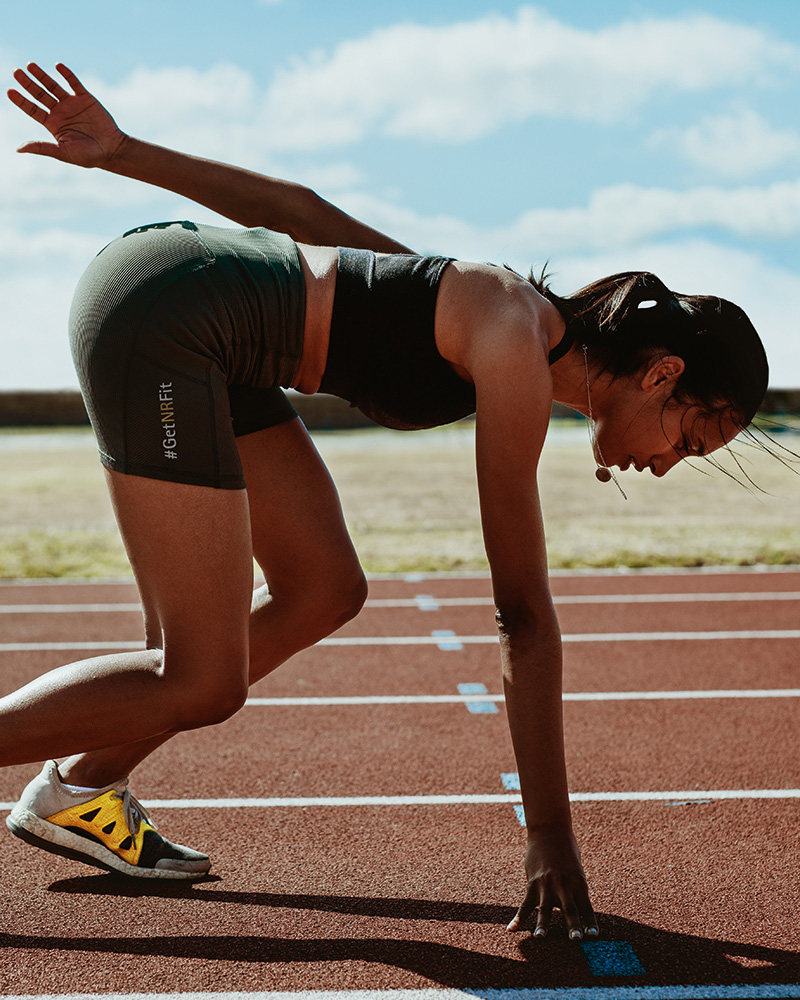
<point x="484" y="306"/>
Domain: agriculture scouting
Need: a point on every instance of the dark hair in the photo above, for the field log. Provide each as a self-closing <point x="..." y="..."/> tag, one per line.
<point x="627" y="318"/>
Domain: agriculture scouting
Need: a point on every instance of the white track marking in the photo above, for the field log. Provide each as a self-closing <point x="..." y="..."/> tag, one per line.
<point x="449" y="602"/>
<point x="688" y="598"/>
<point x="68" y="609"/>
<point x="482" y="640"/>
<point x="460" y="699"/>
<point x="430" y="640"/>
<point x="735" y="992"/>
<point x="500" y="798"/>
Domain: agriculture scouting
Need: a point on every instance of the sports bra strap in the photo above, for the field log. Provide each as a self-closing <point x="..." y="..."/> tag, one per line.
<point x="561" y="347"/>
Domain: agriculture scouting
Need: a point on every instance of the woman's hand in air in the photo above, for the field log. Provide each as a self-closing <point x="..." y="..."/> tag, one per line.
<point x="85" y="132"/>
<point x="555" y="880"/>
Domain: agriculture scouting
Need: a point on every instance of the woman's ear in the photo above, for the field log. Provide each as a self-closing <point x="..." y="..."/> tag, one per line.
<point x="668" y="368"/>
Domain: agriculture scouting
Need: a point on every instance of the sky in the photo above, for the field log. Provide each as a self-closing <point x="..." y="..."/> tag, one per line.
<point x="594" y="138"/>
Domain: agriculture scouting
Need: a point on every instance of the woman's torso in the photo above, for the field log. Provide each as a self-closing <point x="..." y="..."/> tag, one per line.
<point x="467" y="297"/>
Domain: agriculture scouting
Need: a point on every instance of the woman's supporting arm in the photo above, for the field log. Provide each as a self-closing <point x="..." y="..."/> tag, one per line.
<point x="508" y="362"/>
<point x="530" y="645"/>
<point x="86" y="135"/>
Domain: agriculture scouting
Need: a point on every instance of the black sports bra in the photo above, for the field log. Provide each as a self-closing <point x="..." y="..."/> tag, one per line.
<point x="382" y="356"/>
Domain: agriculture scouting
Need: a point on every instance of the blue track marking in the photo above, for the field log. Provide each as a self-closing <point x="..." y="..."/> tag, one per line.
<point x="510" y="781"/>
<point x="444" y="634"/>
<point x="612" y="958"/>
<point x="426" y="602"/>
<point x="478" y="707"/>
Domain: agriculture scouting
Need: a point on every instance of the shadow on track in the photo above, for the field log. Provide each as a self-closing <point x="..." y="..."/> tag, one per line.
<point x="403" y="909"/>
<point x="669" y="958"/>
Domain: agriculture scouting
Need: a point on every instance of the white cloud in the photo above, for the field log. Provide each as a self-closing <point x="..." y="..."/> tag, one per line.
<point x="211" y="112"/>
<point x="458" y="82"/>
<point x="33" y="317"/>
<point x="622" y="215"/>
<point x="735" y="145"/>
<point x="54" y="248"/>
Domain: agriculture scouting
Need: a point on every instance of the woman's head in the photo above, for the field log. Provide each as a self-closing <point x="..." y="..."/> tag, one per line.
<point x="630" y="321"/>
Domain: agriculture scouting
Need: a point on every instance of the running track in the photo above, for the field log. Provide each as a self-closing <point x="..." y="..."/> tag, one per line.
<point x="360" y="809"/>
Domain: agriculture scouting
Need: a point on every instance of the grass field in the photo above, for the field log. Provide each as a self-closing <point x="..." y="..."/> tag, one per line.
<point x="411" y="504"/>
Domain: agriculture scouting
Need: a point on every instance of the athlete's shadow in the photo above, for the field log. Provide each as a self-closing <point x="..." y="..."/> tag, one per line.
<point x="669" y="958"/>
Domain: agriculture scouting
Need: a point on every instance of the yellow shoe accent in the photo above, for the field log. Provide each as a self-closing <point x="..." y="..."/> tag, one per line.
<point x="105" y="820"/>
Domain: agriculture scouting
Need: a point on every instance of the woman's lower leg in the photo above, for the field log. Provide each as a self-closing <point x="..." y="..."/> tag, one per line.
<point x="279" y="627"/>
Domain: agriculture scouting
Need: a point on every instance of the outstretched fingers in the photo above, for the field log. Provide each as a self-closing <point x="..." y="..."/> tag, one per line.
<point x="32" y="110"/>
<point x="47" y="81"/>
<point x="71" y="78"/>
<point x="85" y="133"/>
<point x="42" y="88"/>
<point x="573" y="901"/>
<point x="34" y="88"/>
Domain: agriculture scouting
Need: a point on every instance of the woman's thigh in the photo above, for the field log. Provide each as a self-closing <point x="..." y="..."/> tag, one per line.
<point x="191" y="553"/>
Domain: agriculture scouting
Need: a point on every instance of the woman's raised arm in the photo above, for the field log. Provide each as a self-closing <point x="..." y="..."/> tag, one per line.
<point x="86" y="135"/>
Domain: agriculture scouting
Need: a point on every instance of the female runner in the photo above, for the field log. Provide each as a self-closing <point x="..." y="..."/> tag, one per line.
<point x="183" y="336"/>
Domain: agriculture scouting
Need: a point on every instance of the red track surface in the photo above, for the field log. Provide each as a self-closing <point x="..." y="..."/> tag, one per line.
<point x="417" y="895"/>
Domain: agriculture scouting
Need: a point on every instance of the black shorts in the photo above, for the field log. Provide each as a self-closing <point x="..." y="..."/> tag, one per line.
<point x="182" y="336"/>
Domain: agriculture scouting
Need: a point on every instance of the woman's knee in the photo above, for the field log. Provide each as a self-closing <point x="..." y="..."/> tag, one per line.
<point x="336" y="600"/>
<point x="209" y="700"/>
<point x="325" y="600"/>
<point x="348" y="596"/>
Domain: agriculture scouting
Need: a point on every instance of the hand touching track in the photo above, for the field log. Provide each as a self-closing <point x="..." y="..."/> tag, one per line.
<point x="555" y="880"/>
<point x="85" y="133"/>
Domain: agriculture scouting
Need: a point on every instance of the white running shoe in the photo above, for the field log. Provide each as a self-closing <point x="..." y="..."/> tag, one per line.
<point x="106" y="828"/>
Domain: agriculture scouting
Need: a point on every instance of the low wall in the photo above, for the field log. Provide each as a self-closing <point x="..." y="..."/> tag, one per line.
<point x="319" y="412"/>
<point x="66" y="409"/>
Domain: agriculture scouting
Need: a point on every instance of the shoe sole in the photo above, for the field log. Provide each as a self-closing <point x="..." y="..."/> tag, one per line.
<point x="39" y="833"/>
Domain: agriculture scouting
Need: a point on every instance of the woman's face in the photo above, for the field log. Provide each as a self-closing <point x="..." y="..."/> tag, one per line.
<point x="639" y="427"/>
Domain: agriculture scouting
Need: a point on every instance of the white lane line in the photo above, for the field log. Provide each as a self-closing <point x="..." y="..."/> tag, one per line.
<point x="733" y="992"/>
<point x="688" y="992"/>
<point x="461" y="699"/>
<point x="481" y="640"/>
<point x="461" y="800"/>
<point x="424" y="602"/>
<point x="689" y="598"/>
<point x="67" y="609"/>
<point x="431" y="640"/>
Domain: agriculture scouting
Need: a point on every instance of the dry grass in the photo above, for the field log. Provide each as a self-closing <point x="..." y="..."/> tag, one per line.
<point x="411" y="504"/>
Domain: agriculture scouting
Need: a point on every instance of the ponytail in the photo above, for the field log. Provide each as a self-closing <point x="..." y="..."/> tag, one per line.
<point x="628" y="319"/>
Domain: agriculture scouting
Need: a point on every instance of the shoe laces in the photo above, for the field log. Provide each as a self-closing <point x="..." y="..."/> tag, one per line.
<point x="133" y="811"/>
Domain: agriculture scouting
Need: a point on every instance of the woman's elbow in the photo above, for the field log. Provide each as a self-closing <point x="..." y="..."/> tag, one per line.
<point x="525" y="619"/>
